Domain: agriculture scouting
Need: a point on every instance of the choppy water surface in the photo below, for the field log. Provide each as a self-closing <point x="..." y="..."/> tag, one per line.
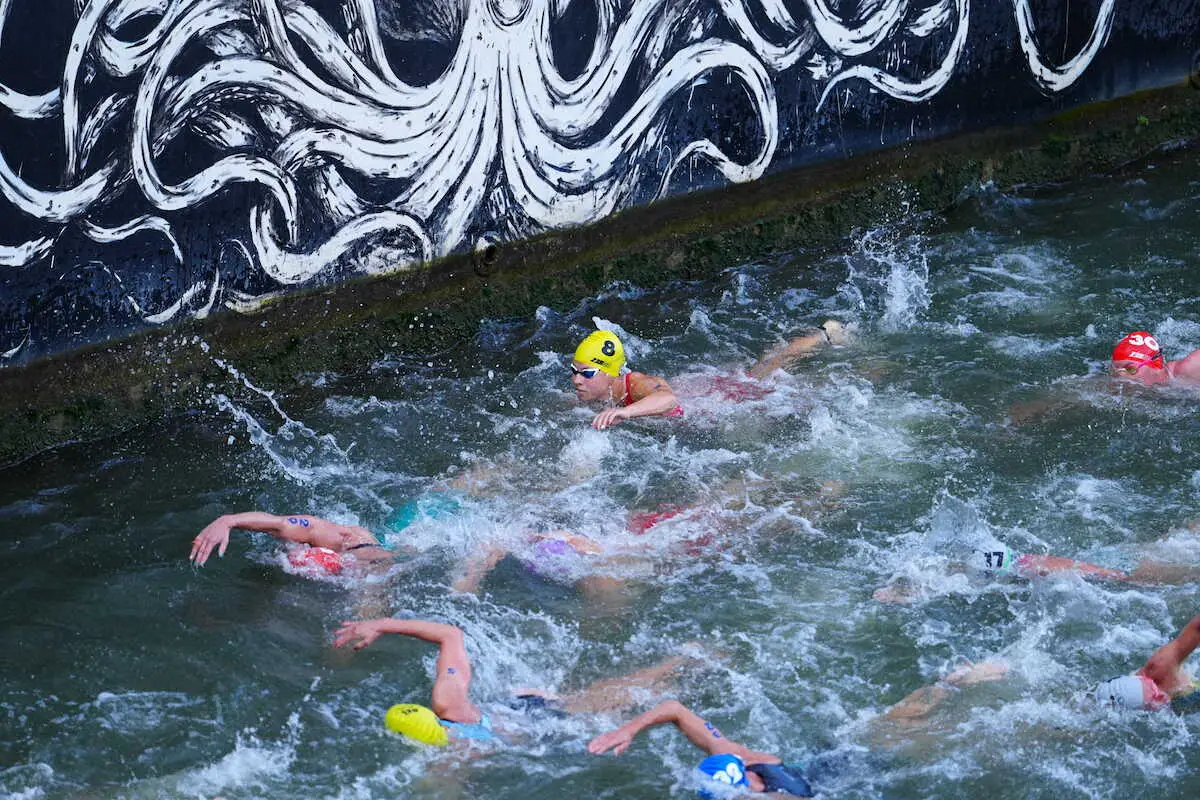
<point x="964" y="417"/>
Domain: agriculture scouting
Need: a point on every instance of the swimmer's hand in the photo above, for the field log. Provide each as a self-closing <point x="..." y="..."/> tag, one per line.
<point x="609" y="416"/>
<point x="616" y="740"/>
<point x="215" y="534"/>
<point x="359" y="634"/>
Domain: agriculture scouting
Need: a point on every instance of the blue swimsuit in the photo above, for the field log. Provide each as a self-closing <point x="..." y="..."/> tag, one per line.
<point x="474" y="731"/>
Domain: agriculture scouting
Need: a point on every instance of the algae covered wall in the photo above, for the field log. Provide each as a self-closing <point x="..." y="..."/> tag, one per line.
<point x="163" y="159"/>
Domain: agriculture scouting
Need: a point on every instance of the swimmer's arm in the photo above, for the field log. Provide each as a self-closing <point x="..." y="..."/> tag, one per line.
<point x="700" y="733"/>
<point x="1188" y="367"/>
<point x="476" y="568"/>
<point x="1032" y="565"/>
<point x="788" y="353"/>
<point x="453" y="679"/>
<point x="651" y="396"/>
<point x="1164" y="666"/>
<point x="303" y="529"/>
<point x="923" y="701"/>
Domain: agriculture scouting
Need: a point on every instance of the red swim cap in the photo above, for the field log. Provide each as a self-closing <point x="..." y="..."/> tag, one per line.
<point x="1139" y="346"/>
<point x="316" y="559"/>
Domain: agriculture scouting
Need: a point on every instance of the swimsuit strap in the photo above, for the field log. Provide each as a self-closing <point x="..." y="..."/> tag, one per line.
<point x="364" y="544"/>
<point x="627" y="398"/>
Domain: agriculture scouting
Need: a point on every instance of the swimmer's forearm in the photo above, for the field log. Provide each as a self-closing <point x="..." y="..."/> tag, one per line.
<point x="476" y="568"/>
<point x="699" y="732"/>
<point x="435" y="632"/>
<point x="662" y="401"/>
<point x="920" y="703"/>
<point x="664" y="712"/>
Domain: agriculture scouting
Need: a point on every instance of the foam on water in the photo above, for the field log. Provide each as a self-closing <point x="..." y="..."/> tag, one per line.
<point x="749" y="536"/>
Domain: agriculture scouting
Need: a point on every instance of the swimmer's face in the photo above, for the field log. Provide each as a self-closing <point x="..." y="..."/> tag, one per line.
<point x="590" y="389"/>
<point x="1140" y="371"/>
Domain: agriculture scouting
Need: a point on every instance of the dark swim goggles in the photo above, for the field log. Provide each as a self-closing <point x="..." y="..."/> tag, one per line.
<point x="587" y="372"/>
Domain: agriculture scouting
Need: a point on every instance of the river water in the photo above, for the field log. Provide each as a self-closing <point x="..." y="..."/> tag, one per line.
<point x="972" y="413"/>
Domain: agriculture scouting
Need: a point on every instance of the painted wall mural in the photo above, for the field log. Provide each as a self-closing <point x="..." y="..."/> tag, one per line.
<point x="161" y="158"/>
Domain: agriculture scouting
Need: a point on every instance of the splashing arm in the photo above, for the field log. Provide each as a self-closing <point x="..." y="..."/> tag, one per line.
<point x="1165" y="667"/>
<point x="699" y="732"/>
<point x="453" y="680"/>
<point x="922" y="702"/>
<point x="301" y="529"/>
<point x="831" y="332"/>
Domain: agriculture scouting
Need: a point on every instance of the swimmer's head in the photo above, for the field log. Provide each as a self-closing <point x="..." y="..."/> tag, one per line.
<point x="417" y="723"/>
<point x="1138" y="349"/>
<point x="722" y="770"/>
<point x="603" y="350"/>
<point x="1133" y="692"/>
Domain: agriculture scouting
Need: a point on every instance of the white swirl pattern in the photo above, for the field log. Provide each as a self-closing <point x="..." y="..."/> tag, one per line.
<point x="501" y="140"/>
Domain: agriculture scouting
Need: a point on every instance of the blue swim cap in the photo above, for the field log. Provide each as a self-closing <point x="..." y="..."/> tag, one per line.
<point x="725" y="769"/>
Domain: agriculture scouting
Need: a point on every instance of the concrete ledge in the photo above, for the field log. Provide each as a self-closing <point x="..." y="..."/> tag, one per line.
<point x="107" y="388"/>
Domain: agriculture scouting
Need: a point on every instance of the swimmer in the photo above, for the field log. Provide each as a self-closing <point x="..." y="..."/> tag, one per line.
<point x="1000" y="561"/>
<point x="1162" y="682"/>
<point x="314" y="542"/>
<point x="599" y="375"/>
<point x="452" y="716"/>
<point x="728" y="763"/>
<point x="736" y="765"/>
<point x="1139" y="357"/>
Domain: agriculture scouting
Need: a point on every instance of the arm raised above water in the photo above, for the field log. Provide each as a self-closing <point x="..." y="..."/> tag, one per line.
<point x="301" y="528"/>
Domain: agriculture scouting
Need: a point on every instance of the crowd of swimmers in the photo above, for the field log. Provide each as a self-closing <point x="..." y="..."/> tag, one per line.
<point x="599" y="376"/>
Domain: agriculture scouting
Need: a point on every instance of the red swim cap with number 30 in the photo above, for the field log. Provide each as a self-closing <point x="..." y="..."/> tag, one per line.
<point x="1141" y="347"/>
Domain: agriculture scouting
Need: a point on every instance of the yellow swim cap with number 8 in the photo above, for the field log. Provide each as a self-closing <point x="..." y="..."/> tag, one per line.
<point x="603" y="349"/>
<point x="416" y="722"/>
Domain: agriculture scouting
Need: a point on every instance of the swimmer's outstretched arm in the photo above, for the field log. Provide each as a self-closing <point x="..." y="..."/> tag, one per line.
<point x="1165" y="666"/>
<point x="652" y="396"/>
<point x="300" y="528"/>
<point x="923" y="701"/>
<point x="831" y="332"/>
<point x="453" y="681"/>
<point x="700" y="733"/>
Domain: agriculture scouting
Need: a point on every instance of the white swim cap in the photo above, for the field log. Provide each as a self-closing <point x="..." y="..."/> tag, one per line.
<point x="1127" y="691"/>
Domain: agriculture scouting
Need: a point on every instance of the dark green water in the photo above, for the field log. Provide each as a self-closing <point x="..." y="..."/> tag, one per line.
<point x="128" y="673"/>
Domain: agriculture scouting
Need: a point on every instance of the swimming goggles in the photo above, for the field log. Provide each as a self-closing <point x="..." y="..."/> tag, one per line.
<point x="1131" y="370"/>
<point x="587" y="372"/>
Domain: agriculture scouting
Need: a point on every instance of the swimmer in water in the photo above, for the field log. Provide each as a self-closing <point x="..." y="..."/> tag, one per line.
<point x="736" y="765"/>
<point x="314" y="542"/>
<point x="1138" y="357"/>
<point x="1000" y="561"/>
<point x="1162" y="682"/>
<point x="728" y="763"/>
<point x="599" y="375"/>
<point x="452" y="716"/>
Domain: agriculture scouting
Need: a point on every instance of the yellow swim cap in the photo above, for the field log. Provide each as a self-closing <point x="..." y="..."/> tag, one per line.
<point x="603" y="349"/>
<point x="416" y="722"/>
